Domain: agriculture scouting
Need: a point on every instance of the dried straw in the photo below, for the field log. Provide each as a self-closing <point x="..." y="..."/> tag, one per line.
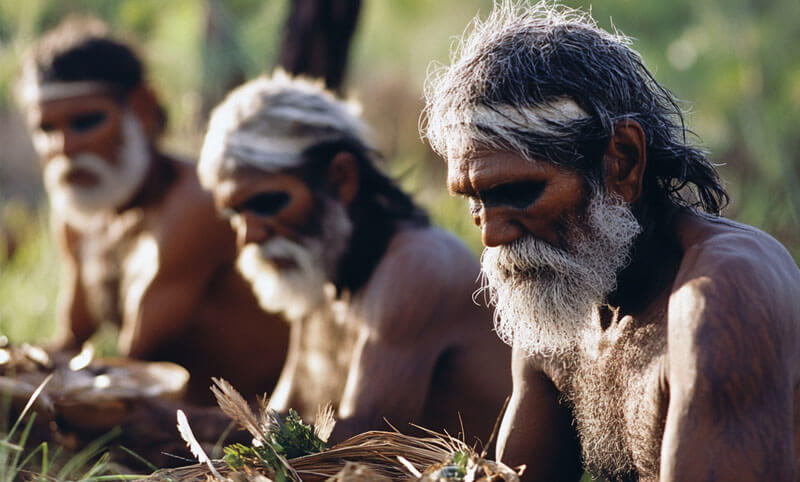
<point x="374" y="452"/>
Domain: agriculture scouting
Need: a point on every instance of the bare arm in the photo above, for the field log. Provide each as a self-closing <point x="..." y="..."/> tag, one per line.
<point x="731" y="364"/>
<point x="536" y="429"/>
<point x="74" y="324"/>
<point x="191" y="246"/>
<point x="398" y="345"/>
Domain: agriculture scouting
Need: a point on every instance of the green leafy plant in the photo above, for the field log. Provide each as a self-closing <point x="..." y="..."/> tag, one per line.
<point x="285" y="439"/>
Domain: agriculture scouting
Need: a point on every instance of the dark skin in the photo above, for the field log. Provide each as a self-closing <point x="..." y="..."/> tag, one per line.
<point x="707" y="308"/>
<point x="415" y="348"/>
<point x="183" y="299"/>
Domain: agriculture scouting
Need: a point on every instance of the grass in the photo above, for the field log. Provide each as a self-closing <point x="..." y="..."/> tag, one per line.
<point x="22" y="458"/>
<point x="29" y="278"/>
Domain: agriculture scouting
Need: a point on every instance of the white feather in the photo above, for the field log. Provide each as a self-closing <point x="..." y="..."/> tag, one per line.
<point x="194" y="446"/>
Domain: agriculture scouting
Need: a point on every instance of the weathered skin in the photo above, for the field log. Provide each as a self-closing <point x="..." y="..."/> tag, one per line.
<point x="410" y="346"/>
<point x="414" y="347"/>
<point x="161" y="267"/>
<point x="691" y="374"/>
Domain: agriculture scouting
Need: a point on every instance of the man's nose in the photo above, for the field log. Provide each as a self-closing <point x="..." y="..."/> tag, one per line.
<point x="499" y="226"/>
<point x="63" y="142"/>
<point x="71" y="144"/>
<point x="252" y="229"/>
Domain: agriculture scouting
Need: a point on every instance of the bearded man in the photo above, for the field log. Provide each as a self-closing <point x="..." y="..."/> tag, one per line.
<point x="140" y="241"/>
<point x="383" y="325"/>
<point x="652" y="337"/>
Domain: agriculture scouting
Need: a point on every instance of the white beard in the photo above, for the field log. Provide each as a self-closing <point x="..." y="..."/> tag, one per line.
<point x="545" y="297"/>
<point x="82" y="206"/>
<point x="298" y="291"/>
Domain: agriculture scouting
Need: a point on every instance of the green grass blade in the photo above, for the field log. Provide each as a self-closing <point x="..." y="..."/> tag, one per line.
<point x="82" y="458"/>
<point x="23" y="439"/>
<point x="138" y="457"/>
<point x="9" y="446"/>
<point x="103" y="478"/>
<point x="41" y="447"/>
<point x="28" y="405"/>
<point x="45" y="460"/>
<point x="98" y="466"/>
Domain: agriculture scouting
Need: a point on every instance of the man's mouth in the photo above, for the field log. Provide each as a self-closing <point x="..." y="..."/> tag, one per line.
<point x="81" y="177"/>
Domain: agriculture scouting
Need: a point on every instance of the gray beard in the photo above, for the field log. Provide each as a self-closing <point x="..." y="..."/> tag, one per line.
<point x="117" y="183"/>
<point x="298" y="291"/>
<point x="545" y="297"/>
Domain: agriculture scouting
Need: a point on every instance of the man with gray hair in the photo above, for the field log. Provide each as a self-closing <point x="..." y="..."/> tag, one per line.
<point x="140" y="242"/>
<point x="652" y="337"/>
<point x="382" y="321"/>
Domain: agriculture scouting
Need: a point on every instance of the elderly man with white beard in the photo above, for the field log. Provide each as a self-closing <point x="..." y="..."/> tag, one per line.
<point x="652" y="338"/>
<point x="383" y="325"/>
<point x="141" y="243"/>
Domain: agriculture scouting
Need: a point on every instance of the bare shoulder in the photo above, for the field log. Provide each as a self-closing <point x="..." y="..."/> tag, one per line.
<point x="736" y="259"/>
<point x="190" y="227"/>
<point x="187" y="197"/>
<point x="425" y="276"/>
<point x="734" y="300"/>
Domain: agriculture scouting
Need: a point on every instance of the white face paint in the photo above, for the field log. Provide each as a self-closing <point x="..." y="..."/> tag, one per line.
<point x="80" y="204"/>
<point x="298" y="290"/>
<point x="545" y="297"/>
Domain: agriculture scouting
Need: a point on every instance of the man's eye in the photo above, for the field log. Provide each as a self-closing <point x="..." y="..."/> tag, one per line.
<point x="87" y="122"/>
<point x="518" y="195"/>
<point x="265" y="204"/>
<point x="47" y="127"/>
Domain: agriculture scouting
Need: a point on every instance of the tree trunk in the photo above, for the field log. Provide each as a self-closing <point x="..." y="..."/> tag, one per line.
<point x="317" y="39"/>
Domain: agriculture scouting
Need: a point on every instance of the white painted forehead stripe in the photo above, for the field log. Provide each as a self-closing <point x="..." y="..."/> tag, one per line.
<point x="269" y="152"/>
<point x="34" y="92"/>
<point x="560" y="111"/>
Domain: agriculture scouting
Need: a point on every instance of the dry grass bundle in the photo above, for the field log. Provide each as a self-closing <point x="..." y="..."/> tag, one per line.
<point x="377" y="453"/>
<point x="291" y="450"/>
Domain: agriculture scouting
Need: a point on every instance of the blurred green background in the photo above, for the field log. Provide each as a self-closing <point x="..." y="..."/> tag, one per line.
<point x="732" y="61"/>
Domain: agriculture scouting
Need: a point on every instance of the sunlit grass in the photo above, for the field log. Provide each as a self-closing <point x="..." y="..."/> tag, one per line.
<point x="29" y="279"/>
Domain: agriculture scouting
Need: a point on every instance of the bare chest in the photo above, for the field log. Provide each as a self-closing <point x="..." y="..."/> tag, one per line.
<point x="619" y="397"/>
<point x="321" y="350"/>
<point x="117" y="265"/>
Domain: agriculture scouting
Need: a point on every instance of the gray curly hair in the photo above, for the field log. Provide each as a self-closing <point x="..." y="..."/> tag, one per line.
<point x="546" y="82"/>
<point x="269" y="122"/>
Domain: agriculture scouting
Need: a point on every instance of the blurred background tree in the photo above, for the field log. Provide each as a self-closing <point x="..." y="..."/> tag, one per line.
<point x="732" y="61"/>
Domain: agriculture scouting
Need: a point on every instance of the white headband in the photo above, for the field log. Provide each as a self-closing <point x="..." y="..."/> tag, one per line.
<point x="272" y="153"/>
<point x="35" y="92"/>
<point x="562" y="110"/>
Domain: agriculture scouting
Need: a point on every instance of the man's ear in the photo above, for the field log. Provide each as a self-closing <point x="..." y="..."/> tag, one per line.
<point x="625" y="160"/>
<point x="343" y="177"/>
<point x="144" y="105"/>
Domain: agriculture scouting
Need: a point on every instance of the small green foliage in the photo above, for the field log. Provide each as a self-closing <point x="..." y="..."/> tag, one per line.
<point x="293" y="438"/>
<point x="460" y="460"/>
<point x="288" y="439"/>
<point x="238" y="455"/>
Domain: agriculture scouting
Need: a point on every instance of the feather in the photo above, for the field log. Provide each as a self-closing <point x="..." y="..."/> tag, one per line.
<point x="194" y="446"/>
<point x="324" y="422"/>
<point x="234" y="406"/>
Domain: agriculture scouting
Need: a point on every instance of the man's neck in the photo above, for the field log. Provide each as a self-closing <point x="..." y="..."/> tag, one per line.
<point x="160" y="176"/>
<point x="371" y="237"/>
<point x="655" y="259"/>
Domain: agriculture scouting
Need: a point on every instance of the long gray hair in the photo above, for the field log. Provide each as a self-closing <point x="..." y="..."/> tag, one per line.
<point x="545" y="81"/>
